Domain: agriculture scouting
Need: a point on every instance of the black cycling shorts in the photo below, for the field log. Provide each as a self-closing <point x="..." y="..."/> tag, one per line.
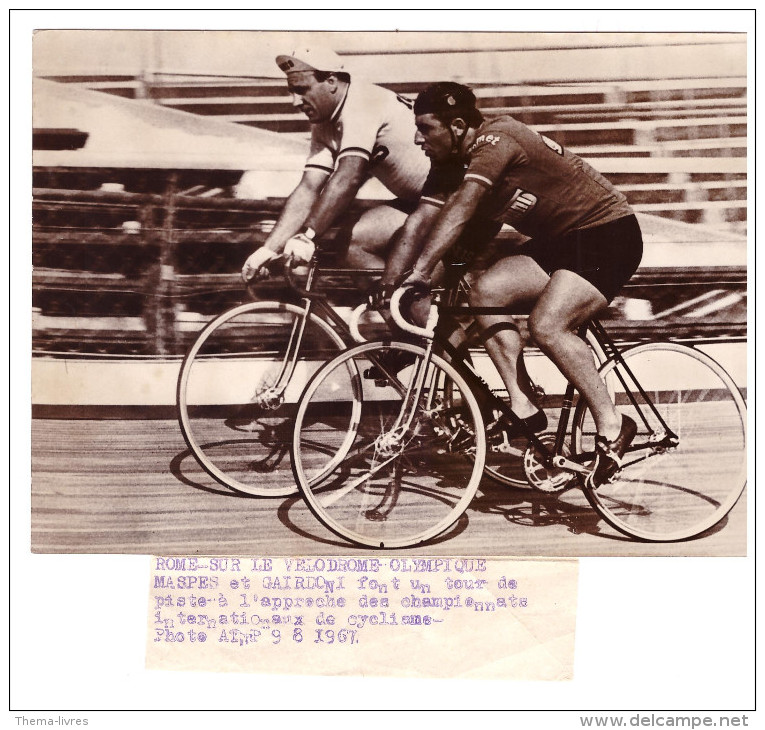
<point x="606" y="256"/>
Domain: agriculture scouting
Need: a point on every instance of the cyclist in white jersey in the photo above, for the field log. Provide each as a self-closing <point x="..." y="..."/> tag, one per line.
<point x="358" y="131"/>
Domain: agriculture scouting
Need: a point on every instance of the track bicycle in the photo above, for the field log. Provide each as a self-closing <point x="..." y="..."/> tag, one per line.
<point x="241" y="378"/>
<point x="395" y="461"/>
<point x="240" y="381"/>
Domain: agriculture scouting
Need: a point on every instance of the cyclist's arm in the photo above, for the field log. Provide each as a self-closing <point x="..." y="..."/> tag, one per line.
<point x="455" y="215"/>
<point x="338" y="193"/>
<point x="297" y="208"/>
<point x="409" y="241"/>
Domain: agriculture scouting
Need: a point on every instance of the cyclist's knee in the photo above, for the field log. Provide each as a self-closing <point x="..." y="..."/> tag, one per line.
<point x="366" y="252"/>
<point x="482" y="295"/>
<point x="358" y="257"/>
<point x="544" y="328"/>
<point x="375" y="228"/>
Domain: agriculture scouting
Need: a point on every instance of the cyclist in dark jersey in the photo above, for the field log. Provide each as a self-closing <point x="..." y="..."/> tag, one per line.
<point x="585" y="245"/>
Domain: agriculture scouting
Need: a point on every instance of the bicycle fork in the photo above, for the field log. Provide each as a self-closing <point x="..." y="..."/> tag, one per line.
<point x="390" y="441"/>
<point x="272" y="396"/>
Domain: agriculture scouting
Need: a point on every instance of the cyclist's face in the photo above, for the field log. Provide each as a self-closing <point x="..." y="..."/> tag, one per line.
<point x="433" y="136"/>
<point x="316" y="99"/>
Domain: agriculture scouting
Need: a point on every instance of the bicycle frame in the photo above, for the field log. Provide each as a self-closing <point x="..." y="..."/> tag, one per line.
<point x="316" y="303"/>
<point x="551" y="456"/>
<point x="312" y="301"/>
<point x="479" y="386"/>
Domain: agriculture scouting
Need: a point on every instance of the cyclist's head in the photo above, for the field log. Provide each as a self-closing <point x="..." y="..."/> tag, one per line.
<point x="448" y="101"/>
<point x="445" y="112"/>
<point x="317" y="78"/>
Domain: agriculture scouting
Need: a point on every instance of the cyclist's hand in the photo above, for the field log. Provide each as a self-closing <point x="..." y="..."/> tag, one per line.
<point x="300" y="249"/>
<point x="256" y="265"/>
<point x="378" y="296"/>
<point x="417" y="280"/>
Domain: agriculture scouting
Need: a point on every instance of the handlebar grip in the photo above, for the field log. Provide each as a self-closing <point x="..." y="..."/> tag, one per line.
<point x="398" y="318"/>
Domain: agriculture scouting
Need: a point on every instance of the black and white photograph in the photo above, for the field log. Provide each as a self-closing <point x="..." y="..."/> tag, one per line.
<point x="441" y="290"/>
<point x="213" y="210"/>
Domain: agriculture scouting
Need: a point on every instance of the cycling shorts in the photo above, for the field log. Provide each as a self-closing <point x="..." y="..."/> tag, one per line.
<point x="607" y="255"/>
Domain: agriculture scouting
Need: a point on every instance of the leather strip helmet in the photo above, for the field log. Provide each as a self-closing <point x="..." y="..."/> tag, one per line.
<point x="448" y="100"/>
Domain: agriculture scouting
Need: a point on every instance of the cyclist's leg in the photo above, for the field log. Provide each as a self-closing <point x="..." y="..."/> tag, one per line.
<point x="367" y="244"/>
<point x="370" y="236"/>
<point x="565" y="304"/>
<point x="508" y="282"/>
<point x="588" y="267"/>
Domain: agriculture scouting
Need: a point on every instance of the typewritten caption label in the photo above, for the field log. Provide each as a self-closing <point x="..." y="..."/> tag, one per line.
<point x="439" y="617"/>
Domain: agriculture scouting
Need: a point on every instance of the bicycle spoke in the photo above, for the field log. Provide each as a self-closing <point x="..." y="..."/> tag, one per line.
<point x="399" y="482"/>
<point x="340" y="493"/>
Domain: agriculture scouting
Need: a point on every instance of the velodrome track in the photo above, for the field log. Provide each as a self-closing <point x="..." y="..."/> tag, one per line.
<point x="130" y="485"/>
<point x="124" y="481"/>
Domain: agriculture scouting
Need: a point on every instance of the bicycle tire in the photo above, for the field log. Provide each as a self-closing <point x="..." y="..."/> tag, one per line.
<point x="239" y="443"/>
<point x="670" y="494"/>
<point x="392" y="487"/>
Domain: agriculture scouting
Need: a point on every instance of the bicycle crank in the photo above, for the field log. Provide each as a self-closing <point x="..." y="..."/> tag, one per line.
<point x="544" y="477"/>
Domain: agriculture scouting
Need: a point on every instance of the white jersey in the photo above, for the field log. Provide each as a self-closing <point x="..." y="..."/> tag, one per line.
<point x="376" y="124"/>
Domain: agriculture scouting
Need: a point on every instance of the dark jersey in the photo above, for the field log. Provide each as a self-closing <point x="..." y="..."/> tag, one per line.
<point x="535" y="185"/>
<point x="443" y="179"/>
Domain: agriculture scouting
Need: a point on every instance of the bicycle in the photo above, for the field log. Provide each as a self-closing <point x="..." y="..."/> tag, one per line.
<point x="242" y="376"/>
<point x="410" y="461"/>
<point x="240" y="381"/>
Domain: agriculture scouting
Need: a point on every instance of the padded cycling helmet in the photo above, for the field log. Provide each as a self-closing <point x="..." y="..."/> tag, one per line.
<point x="448" y="100"/>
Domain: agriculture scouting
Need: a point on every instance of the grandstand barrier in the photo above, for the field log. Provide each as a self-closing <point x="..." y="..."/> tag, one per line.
<point x="117" y="273"/>
<point x="122" y="280"/>
<point x="91" y="388"/>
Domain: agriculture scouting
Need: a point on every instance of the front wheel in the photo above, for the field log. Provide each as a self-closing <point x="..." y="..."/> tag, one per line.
<point x="238" y="389"/>
<point x="686" y="468"/>
<point x="406" y="468"/>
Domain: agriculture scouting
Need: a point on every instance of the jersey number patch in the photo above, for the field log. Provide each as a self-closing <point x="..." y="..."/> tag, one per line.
<point x="379" y="153"/>
<point x="522" y="201"/>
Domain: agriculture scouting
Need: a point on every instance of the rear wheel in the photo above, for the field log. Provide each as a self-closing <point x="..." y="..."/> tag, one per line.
<point x="686" y="468"/>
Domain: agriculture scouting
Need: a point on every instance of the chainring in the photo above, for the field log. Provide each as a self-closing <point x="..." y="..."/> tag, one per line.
<point x="538" y="475"/>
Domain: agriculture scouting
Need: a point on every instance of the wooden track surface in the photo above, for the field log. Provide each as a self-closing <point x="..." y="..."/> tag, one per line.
<point x="131" y="486"/>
